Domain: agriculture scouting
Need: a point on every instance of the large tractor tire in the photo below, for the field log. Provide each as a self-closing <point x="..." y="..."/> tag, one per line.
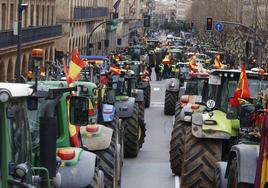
<point x="232" y="178"/>
<point x="108" y="164"/>
<point x="199" y="161"/>
<point x="177" y="113"/>
<point x="177" y="143"/>
<point x="147" y="96"/>
<point x="170" y="102"/>
<point x="115" y="125"/>
<point x="131" y="133"/>
<point x="142" y="125"/>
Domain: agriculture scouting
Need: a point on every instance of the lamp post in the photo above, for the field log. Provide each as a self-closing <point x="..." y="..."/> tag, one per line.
<point x="21" y="7"/>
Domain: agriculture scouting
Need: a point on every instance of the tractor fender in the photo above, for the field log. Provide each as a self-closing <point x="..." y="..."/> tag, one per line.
<point x="182" y="91"/>
<point x="247" y="156"/>
<point x="138" y="94"/>
<point x="221" y="168"/>
<point x="98" y="139"/>
<point x="143" y="84"/>
<point x="186" y="113"/>
<point x="108" y="112"/>
<point x="124" y="109"/>
<point x="173" y="84"/>
<point x="80" y="174"/>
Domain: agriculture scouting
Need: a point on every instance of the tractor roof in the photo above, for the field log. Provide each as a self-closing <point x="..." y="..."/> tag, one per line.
<point x="236" y="73"/>
<point x="16" y="90"/>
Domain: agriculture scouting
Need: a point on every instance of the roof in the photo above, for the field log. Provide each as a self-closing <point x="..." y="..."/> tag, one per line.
<point x="16" y="90"/>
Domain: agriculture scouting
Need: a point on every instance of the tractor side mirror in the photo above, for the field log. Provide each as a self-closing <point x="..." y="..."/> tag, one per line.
<point x="78" y="110"/>
<point x="32" y="103"/>
<point x="246" y="112"/>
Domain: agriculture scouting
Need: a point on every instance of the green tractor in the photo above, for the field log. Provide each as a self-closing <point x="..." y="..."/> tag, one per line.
<point x="129" y="104"/>
<point x="241" y="167"/>
<point x="142" y="79"/>
<point x="32" y="160"/>
<point x="96" y="138"/>
<point x="208" y="128"/>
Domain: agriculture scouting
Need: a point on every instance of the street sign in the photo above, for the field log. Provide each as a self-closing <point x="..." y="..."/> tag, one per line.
<point x="218" y="26"/>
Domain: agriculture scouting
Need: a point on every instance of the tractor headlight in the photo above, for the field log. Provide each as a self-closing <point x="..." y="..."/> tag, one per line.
<point x="21" y="170"/>
<point x="225" y="75"/>
<point x="4" y="96"/>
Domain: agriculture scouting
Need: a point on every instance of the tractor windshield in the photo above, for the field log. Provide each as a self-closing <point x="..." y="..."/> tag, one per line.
<point x="256" y="85"/>
<point x="20" y="133"/>
<point x="194" y="87"/>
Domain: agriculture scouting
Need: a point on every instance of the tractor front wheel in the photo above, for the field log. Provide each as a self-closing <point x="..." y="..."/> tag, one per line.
<point x="170" y="102"/>
<point x="131" y="133"/>
<point x="147" y="96"/>
<point x="199" y="161"/>
<point x="177" y="147"/>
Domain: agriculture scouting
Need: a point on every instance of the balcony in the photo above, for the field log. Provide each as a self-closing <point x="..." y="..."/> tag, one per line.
<point x="90" y="13"/>
<point x="30" y="35"/>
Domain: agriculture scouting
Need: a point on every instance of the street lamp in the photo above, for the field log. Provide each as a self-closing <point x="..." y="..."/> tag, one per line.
<point x="21" y="8"/>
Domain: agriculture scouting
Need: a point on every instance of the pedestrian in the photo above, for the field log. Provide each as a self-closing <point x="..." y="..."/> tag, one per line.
<point x="161" y="70"/>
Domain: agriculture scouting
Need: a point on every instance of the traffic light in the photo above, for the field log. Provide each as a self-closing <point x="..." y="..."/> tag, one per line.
<point x="146" y="21"/>
<point x="209" y="24"/>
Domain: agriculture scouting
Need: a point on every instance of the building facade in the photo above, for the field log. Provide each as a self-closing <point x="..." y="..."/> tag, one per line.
<point x="182" y="6"/>
<point x="79" y="18"/>
<point x="39" y="30"/>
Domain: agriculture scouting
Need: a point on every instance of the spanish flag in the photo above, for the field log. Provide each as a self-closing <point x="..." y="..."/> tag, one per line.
<point x="261" y="178"/>
<point x="217" y="62"/>
<point x="114" y="69"/>
<point x="242" y="91"/>
<point x="76" y="65"/>
<point x="192" y="64"/>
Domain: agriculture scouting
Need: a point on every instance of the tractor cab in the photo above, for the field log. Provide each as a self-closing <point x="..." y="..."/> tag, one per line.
<point x="136" y="52"/>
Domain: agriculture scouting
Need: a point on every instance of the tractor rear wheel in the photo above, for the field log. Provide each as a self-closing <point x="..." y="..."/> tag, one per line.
<point x="131" y="133"/>
<point x="199" y="161"/>
<point x="147" y="96"/>
<point x="170" y="102"/>
<point x="177" y="147"/>
<point x="232" y="178"/>
<point x="177" y="113"/>
<point x="108" y="164"/>
<point x="142" y="125"/>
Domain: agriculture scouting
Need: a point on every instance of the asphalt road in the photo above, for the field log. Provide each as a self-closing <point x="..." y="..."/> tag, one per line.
<point x="151" y="168"/>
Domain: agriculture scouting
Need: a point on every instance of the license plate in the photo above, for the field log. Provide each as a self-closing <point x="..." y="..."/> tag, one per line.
<point x="214" y="80"/>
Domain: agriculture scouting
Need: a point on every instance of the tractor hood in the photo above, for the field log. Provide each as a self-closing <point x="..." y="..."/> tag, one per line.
<point x="217" y="126"/>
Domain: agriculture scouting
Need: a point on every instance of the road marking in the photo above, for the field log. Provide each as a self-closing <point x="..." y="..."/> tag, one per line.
<point x="177" y="182"/>
<point x="156" y="89"/>
<point x="157" y="104"/>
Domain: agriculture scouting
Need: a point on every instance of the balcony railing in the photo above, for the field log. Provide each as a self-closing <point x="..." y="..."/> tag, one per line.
<point x="30" y="34"/>
<point x="81" y="13"/>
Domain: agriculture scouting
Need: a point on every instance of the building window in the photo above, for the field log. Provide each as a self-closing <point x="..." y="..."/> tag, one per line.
<point x="11" y="16"/>
<point x="43" y="15"/>
<point x="48" y="20"/>
<point x="32" y="15"/>
<point x="37" y="15"/>
<point x="4" y="8"/>
<point x="52" y="15"/>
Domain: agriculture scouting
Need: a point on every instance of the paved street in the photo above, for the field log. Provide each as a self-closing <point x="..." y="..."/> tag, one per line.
<point x="151" y="167"/>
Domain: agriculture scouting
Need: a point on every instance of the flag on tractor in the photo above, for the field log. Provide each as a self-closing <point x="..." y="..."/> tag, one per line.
<point x="192" y="64"/>
<point x="217" y="62"/>
<point x="76" y="65"/>
<point x="115" y="70"/>
<point x="261" y="177"/>
<point x="242" y="91"/>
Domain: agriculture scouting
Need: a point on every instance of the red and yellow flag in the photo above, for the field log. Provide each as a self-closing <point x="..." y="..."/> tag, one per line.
<point x="114" y="69"/>
<point x="217" y="62"/>
<point x="242" y="90"/>
<point x="76" y="65"/>
<point x="192" y="64"/>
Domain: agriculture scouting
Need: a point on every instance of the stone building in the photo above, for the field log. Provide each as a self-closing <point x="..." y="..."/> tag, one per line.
<point x="182" y="6"/>
<point x="78" y="19"/>
<point x="39" y="31"/>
